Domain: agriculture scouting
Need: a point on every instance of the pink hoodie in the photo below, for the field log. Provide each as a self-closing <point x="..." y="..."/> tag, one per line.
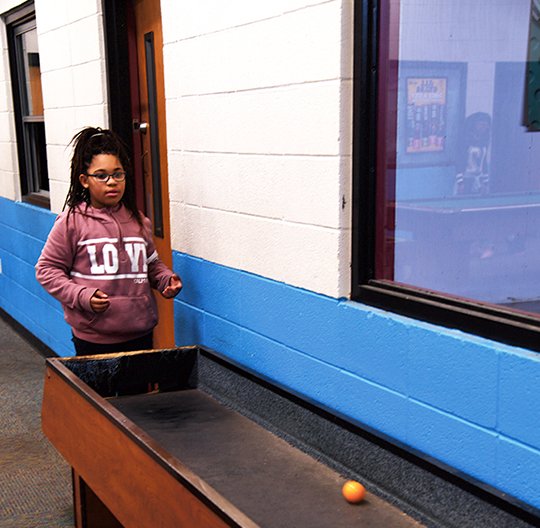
<point x="106" y="249"/>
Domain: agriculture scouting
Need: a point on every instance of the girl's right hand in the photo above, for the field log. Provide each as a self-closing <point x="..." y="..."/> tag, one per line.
<point x="99" y="301"/>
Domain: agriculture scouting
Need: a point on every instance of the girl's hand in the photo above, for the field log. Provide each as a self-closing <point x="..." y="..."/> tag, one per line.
<point x="175" y="285"/>
<point x="99" y="301"/>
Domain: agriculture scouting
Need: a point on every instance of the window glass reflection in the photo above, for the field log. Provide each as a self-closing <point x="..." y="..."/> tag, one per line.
<point x="32" y="73"/>
<point x="467" y="182"/>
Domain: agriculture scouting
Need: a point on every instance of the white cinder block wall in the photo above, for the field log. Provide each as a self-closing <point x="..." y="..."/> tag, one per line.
<point x="259" y="103"/>
<point x="71" y="49"/>
<point x="259" y="98"/>
<point x="73" y="77"/>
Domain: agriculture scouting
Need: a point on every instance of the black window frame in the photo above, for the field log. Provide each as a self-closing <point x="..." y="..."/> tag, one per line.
<point x="481" y="319"/>
<point x="29" y="129"/>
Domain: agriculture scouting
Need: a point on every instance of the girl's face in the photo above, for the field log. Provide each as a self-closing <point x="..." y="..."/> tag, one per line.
<point x="104" y="192"/>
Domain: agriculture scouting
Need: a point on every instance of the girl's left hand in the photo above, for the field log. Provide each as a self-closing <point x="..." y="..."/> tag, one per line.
<point x="175" y="285"/>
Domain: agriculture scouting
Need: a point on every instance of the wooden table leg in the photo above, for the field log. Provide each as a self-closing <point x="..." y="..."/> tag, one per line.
<point x="89" y="511"/>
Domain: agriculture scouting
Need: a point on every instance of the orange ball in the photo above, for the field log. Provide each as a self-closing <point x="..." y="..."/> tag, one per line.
<point x="353" y="491"/>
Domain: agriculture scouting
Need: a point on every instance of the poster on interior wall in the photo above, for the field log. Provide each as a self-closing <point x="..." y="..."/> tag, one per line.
<point x="426" y="114"/>
<point x="431" y="111"/>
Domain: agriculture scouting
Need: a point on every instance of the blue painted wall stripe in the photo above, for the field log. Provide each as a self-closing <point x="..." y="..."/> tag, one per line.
<point x="466" y="401"/>
<point x="438" y="391"/>
<point x="23" y="231"/>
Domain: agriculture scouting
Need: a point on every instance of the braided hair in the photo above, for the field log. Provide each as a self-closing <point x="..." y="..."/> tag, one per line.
<point x="90" y="142"/>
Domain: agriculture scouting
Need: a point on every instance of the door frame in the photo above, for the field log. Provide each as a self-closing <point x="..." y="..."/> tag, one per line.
<point x="115" y="26"/>
<point x="124" y="104"/>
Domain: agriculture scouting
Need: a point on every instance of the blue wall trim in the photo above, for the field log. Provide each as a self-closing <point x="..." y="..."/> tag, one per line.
<point x="23" y="231"/>
<point x="468" y="402"/>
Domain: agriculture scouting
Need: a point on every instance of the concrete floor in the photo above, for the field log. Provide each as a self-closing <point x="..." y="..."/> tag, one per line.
<point x="35" y="482"/>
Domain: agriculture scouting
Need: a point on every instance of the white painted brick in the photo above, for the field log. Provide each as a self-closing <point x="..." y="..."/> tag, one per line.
<point x="4" y="64"/>
<point x="90" y="83"/>
<point x="3" y="45"/>
<point x="57" y="88"/>
<point x="174" y="127"/>
<point x="345" y="192"/>
<point x="7" y="126"/>
<point x="3" y="34"/>
<point x="6" y="97"/>
<point x="178" y="237"/>
<point x="344" y="258"/>
<point x="178" y="186"/>
<point x="290" y="120"/>
<point x="219" y="236"/>
<point x="309" y="192"/>
<point x="346" y="117"/>
<point x="58" y="162"/>
<point x="54" y="49"/>
<point x="294" y="188"/>
<point x="8" y="156"/>
<point x="10" y="187"/>
<point x="207" y="16"/>
<point x="51" y="17"/>
<point x="58" y="193"/>
<point x="82" y="8"/>
<point x="86" y="40"/>
<point x="185" y="235"/>
<point x="60" y="125"/>
<point x="347" y="40"/>
<point x="297" y="254"/>
<point x="93" y="115"/>
<point x="257" y="174"/>
<point x="301" y="47"/>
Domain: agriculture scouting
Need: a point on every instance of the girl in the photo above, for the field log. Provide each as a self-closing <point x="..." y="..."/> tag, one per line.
<point x="99" y="260"/>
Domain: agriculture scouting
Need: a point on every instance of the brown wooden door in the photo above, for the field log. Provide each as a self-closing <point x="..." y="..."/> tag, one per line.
<point x="150" y="140"/>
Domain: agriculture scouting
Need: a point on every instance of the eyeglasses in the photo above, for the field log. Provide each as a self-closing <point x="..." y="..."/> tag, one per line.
<point x="103" y="177"/>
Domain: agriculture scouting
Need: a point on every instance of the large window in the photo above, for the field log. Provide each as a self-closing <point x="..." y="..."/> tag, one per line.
<point x="448" y="188"/>
<point x="28" y="102"/>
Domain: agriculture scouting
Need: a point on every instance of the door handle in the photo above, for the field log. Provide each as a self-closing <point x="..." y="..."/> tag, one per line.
<point x="140" y="127"/>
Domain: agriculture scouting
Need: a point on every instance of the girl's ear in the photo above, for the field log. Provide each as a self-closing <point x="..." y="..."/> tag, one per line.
<point x="83" y="178"/>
